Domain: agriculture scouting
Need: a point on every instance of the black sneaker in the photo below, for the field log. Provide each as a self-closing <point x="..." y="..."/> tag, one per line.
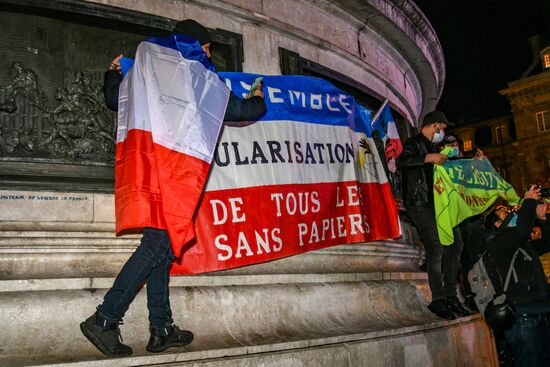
<point x="457" y="308"/>
<point x="441" y="309"/>
<point x="105" y="336"/>
<point x="171" y="336"/>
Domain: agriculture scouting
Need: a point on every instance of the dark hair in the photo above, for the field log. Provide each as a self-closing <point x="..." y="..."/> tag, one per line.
<point x="492" y="218"/>
<point x="192" y="28"/>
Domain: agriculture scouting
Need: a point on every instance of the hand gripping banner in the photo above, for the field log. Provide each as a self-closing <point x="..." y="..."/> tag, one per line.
<point x="304" y="177"/>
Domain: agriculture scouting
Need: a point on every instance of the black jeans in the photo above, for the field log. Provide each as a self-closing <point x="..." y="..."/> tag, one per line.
<point x="442" y="262"/>
<point x="530" y="340"/>
<point x="150" y="263"/>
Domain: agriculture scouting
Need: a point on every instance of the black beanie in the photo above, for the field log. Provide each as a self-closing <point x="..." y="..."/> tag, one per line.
<point x="191" y="28"/>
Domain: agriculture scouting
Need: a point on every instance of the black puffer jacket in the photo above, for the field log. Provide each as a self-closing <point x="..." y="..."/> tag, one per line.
<point x="532" y="287"/>
<point x="237" y="109"/>
<point x="417" y="176"/>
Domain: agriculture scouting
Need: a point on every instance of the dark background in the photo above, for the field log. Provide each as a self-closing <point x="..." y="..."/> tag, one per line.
<point x="486" y="45"/>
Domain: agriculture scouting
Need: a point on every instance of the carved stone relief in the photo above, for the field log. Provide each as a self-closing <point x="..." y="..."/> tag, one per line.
<point x="75" y="126"/>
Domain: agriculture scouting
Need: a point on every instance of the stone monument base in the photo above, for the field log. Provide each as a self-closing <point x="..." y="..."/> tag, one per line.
<point x="350" y="305"/>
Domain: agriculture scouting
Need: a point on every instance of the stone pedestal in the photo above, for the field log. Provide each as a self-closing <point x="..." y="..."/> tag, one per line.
<point x="352" y="305"/>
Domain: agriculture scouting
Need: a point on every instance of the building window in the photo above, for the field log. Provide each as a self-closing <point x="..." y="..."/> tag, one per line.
<point x="542" y="121"/>
<point x="468" y="146"/>
<point x="545" y="55"/>
<point x="500" y="134"/>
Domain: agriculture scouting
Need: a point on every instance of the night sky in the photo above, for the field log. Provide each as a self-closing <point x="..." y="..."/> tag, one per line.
<point x="486" y="45"/>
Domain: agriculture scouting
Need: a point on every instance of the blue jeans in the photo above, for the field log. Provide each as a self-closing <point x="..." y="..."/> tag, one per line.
<point x="530" y="340"/>
<point x="150" y="263"/>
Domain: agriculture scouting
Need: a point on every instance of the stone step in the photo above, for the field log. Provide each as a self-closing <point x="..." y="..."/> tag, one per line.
<point x="40" y="318"/>
<point x="438" y="343"/>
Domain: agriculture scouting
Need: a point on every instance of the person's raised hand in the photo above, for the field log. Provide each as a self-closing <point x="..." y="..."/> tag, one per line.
<point x="532" y="193"/>
<point x="435" y="158"/>
<point x="258" y="91"/>
<point x="115" y="64"/>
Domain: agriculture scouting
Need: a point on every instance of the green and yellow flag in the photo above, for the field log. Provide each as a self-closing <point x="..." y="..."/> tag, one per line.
<point x="464" y="188"/>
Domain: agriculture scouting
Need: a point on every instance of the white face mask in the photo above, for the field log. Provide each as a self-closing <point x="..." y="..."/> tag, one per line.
<point x="438" y="136"/>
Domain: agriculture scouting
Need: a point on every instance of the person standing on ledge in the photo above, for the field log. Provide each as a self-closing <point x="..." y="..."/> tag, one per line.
<point x="151" y="261"/>
<point x="420" y="153"/>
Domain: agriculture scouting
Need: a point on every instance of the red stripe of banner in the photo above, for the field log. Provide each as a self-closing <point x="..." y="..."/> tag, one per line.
<point x="252" y="225"/>
<point x="156" y="187"/>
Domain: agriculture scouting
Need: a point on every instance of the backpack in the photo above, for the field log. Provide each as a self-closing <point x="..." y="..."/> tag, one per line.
<point x="489" y="289"/>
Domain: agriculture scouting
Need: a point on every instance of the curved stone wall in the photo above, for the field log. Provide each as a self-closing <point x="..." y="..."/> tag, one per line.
<point x="388" y="46"/>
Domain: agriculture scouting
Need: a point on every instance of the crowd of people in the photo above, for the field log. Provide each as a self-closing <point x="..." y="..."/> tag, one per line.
<point x="515" y="237"/>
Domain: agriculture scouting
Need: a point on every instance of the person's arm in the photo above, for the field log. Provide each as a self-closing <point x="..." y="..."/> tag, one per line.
<point x="410" y="157"/>
<point x="526" y="219"/>
<point x="111" y="84"/>
<point x="542" y="245"/>
<point x="249" y="109"/>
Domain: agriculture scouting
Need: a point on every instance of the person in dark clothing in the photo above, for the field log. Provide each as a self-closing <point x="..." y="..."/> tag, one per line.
<point x="420" y="153"/>
<point x="237" y="109"/>
<point x="151" y="261"/>
<point x="528" y="288"/>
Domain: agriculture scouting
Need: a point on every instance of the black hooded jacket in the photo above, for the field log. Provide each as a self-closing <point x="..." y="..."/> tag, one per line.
<point x="417" y="175"/>
<point x="237" y="109"/>
<point x="532" y="287"/>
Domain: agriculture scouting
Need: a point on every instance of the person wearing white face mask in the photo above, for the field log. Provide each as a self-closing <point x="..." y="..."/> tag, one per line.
<point x="420" y="153"/>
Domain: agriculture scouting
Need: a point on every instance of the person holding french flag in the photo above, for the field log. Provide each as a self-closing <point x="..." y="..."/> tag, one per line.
<point x="171" y="106"/>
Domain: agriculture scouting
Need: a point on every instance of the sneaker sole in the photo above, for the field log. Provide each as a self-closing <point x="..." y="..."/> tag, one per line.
<point x="98" y="344"/>
<point x="171" y="345"/>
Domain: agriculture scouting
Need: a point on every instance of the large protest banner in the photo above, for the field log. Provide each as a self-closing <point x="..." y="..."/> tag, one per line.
<point x="464" y="188"/>
<point x="304" y="177"/>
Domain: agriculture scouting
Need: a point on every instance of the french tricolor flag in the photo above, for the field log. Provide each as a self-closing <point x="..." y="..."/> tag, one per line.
<point x="171" y="109"/>
<point x="384" y="123"/>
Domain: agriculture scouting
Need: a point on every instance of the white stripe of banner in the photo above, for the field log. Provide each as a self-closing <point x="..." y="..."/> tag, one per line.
<point x="251" y="156"/>
<point x="178" y="100"/>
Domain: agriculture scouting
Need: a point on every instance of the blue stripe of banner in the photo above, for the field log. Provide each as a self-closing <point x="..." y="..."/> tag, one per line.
<point x="303" y="99"/>
<point x="291" y="97"/>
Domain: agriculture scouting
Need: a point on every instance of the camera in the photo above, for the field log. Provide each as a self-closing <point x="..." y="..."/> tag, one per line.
<point x="545" y="192"/>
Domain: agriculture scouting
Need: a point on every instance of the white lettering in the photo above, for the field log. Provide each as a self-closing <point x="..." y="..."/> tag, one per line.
<point x="271" y="92"/>
<point x="316" y="204"/>
<point x="355" y="222"/>
<point x="278" y="197"/>
<point x="275" y="232"/>
<point x="242" y="244"/>
<point x="334" y="109"/>
<point x="217" y="219"/>
<point x="316" y="101"/>
<point x="314" y="233"/>
<point x="353" y="196"/>
<point x="341" y="226"/>
<point x="345" y="105"/>
<point x="302" y="230"/>
<point x="223" y="247"/>
<point x="262" y="242"/>
<point x="236" y="209"/>
<point x="339" y="202"/>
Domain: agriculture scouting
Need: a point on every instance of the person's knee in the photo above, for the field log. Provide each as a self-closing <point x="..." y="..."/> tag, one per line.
<point x="156" y="244"/>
